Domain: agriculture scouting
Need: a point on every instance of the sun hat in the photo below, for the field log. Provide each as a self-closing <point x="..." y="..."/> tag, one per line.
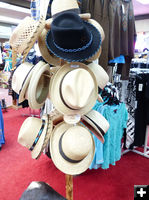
<point x="98" y="26"/>
<point x="72" y="38"/>
<point x="38" y="88"/>
<point x="25" y="35"/>
<point x="46" y="54"/>
<point x="21" y="79"/>
<point x="73" y="89"/>
<point x="100" y="74"/>
<point x="96" y="123"/>
<point x="34" y="134"/>
<point x="72" y="148"/>
<point x="59" y="6"/>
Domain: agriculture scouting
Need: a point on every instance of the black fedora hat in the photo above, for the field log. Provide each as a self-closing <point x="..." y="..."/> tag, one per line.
<point x="72" y="38"/>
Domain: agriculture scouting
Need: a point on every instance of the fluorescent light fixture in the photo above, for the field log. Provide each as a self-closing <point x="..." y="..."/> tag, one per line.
<point x="9" y="20"/>
<point x="143" y="1"/>
<point x="15" y="8"/>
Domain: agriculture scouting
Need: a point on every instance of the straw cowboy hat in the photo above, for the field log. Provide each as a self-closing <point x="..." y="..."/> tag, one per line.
<point x="72" y="148"/>
<point x="21" y="79"/>
<point x="96" y="123"/>
<point x="34" y="134"/>
<point x="25" y="35"/>
<point x="100" y="74"/>
<point x="46" y="54"/>
<point x="73" y="89"/>
<point x="73" y="39"/>
<point x="59" y="6"/>
<point x="38" y="88"/>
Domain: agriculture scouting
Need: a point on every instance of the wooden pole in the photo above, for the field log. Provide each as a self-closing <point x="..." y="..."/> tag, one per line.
<point x="69" y="187"/>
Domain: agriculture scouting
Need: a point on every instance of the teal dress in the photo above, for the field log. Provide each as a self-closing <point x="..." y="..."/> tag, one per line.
<point x="117" y="116"/>
<point x="2" y="138"/>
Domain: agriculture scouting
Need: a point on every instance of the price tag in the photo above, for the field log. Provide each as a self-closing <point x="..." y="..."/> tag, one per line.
<point x="140" y="87"/>
<point x="74" y="66"/>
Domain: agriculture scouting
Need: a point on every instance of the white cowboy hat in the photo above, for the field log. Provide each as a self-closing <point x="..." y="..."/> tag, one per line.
<point x="73" y="89"/>
<point x="34" y="134"/>
<point x="72" y="148"/>
<point x="96" y="123"/>
<point x="38" y="88"/>
<point x="21" y="79"/>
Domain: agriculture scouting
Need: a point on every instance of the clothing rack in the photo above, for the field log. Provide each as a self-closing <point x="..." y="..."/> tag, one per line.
<point x="145" y="152"/>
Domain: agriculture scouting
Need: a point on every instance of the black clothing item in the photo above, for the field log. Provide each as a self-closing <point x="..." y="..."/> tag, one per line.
<point x="142" y="110"/>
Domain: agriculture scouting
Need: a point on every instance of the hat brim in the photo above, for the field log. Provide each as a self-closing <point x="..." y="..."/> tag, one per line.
<point x="63" y="165"/>
<point x="46" y="54"/>
<point x="79" y="55"/>
<point x="36" y="98"/>
<point x="54" y="90"/>
<point x="36" y="152"/>
<point x="25" y="85"/>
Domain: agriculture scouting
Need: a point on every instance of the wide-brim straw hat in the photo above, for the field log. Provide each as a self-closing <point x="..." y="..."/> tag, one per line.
<point x="100" y="74"/>
<point x="73" y="39"/>
<point x="59" y="6"/>
<point x="38" y="88"/>
<point x="46" y="54"/>
<point x="72" y="148"/>
<point x="96" y="123"/>
<point x="34" y="134"/>
<point x="76" y="96"/>
<point x="25" y="35"/>
<point x="21" y="79"/>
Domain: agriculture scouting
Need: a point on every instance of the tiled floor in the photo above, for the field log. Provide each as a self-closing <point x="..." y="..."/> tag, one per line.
<point x="4" y="95"/>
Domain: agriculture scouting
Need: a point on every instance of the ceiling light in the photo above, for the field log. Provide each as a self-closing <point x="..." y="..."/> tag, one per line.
<point x="15" y="8"/>
<point x="143" y="1"/>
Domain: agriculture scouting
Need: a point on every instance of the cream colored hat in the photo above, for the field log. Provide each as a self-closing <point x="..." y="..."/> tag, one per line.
<point x="72" y="148"/>
<point x="96" y="123"/>
<point x="25" y="35"/>
<point x="59" y="6"/>
<point x="73" y="89"/>
<point x="100" y="74"/>
<point x="21" y="79"/>
<point x="46" y="54"/>
<point x="98" y="26"/>
<point x="38" y="88"/>
<point x="34" y="134"/>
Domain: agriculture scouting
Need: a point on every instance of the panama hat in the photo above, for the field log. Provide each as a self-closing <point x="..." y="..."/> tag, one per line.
<point x="34" y="134"/>
<point x="38" y="88"/>
<point x="21" y="79"/>
<point x="25" y="35"/>
<point x="73" y="39"/>
<point x="72" y="148"/>
<point x="100" y="74"/>
<point x="59" y="6"/>
<point x="73" y="89"/>
<point x="46" y="54"/>
<point x="96" y="123"/>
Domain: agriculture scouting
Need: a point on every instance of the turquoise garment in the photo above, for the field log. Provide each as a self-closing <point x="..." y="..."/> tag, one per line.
<point x="117" y="116"/>
<point x="2" y="138"/>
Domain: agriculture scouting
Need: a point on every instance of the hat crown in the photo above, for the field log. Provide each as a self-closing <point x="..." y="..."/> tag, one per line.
<point x="77" y="87"/>
<point x="76" y="143"/>
<point x="68" y="31"/>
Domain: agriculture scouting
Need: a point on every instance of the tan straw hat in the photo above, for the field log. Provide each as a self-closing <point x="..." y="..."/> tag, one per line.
<point x="100" y="74"/>
<point x="73" y="89"/>
<point x="21" y="79"/>
<point x="72" y="148"/>
<point x="25" y="35"/>
<point x="98" y="26"/>
<point x="96" y="123"/>
<point x="59" y="6"/>
<point x="38" y="88"/>
<point x="34" y="134"/>
<point x="46" y="54"/>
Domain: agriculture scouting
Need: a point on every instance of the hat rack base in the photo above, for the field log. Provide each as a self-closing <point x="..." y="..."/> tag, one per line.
<point x="69" y="187"/>
<point x="145" y="152"/>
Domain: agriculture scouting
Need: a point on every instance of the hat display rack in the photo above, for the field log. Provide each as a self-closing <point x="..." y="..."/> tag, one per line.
<point x="69" y="43"/>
